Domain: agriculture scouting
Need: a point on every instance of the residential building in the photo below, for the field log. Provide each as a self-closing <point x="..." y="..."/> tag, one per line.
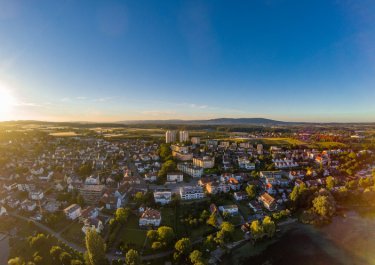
<point x="150" y="217"/>
<point x="73" y="211"/>
<point x="230" y="209"/>
<point x="195" y="140"/>
<point x="93" y="224"/>
<point x="28" y="205"/>
<point x="191" y="192"/>
<point x="175" y="177"/>
<point x="163" y="197"/>
<point x="204" y="162"/>
<point x="36" y="195"/>
<point x="170" y="137"/>
<point x="190" y="169"/>
<point x="217" y="187"/>
<point x="91" y="193"/>
<point x="184" y="136"/>
<point x="151" y="177"/>
<point x="268" y="201"/>
<point x="240" y="195"/>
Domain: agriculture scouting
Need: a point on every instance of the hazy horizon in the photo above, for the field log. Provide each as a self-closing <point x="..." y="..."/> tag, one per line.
<point x="150" y="60"/>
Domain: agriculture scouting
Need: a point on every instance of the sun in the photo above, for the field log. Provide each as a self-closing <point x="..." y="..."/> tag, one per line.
<point x="7" y="103"/>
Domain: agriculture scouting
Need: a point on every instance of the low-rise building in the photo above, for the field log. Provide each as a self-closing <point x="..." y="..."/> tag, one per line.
<point x="204" y="162"/>
<point x="150" y="217"/>
<point x="93" y="224"/>
<point x="191" y="192"/>
<point x="163" y="197"/>
<point x="190" y="169"/>
<point x="268" y="201"/>
<point x="217" y="187"/>
<point x="73" y="211"/>
<point x="230" y="209"/>
<point x="175" y="177"/>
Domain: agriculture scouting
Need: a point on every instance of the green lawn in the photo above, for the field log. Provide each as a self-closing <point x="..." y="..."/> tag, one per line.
<point x="328" y="145"/>
<point x="238" y="234"/>
<point x="132" y="234"/>
<point x="74" y="233"/>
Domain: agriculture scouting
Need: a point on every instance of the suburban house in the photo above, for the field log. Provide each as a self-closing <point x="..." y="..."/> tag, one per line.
<point x="28" y="205"/>
<point x="89" y="212"/>
<point x="73" y="211"/>
<point x="92" y="223"/>
<point x="240" y="195"/>
<point x="36" y="195"/>
<point x="151" y="177"/>
<point x="163" y="197"/>
<point x="150" y="217"/>
<point x="268" y="201"/>
<point x="3" y="211"/>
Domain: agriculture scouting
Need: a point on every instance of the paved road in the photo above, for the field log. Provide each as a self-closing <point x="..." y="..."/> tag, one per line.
<point x="4" y="246"/>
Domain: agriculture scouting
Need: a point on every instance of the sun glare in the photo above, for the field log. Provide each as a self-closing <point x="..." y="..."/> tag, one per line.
<point x="7" y="103"/>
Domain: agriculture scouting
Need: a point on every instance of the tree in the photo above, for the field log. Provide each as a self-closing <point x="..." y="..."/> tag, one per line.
<point x="269" y="226"/>
<point x="212" y="220"/>
<point x="65" y="258"/>
<point x="95" y="246"/>
<point x="16" y="261"/>
<point x="139" y="197"/>
<point x="122" y="215"/>
<point x="183" y="248"/>
<point x="156" y="245"/>
<point x="167" y="166"/>
<point x="166" y="234"/>
<point x="76" y="262"/>
<point x="165" y="151"/>
<point x="256" y="229"/>
<point x="324" y="206"/>
<point x="251" y="191"/>
<point x="330" y="182"/>
<point x="132" y="257"/>
<point x="196" y="257"/>
<point x="152" y="235"/>
<point x="55" y="252"/>
<point x="226" y="231"/>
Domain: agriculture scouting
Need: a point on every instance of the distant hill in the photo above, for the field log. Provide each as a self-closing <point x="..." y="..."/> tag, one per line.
<point x="219" y="121"/>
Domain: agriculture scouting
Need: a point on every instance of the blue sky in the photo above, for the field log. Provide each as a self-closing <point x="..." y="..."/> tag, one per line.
<point x="119" y="60"/>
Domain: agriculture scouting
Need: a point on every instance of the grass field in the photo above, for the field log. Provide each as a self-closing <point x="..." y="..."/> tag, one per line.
<point x="328" y="145"/>
<point x="64" y="134"/>
<point x="74" y="233"/>
<point x="131" y="234"/>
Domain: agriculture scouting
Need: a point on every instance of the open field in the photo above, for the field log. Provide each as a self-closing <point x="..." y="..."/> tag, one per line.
<point x="74" y="233"/>
<point x="64" y="134"/>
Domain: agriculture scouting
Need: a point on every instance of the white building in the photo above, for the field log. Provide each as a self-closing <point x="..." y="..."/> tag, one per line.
<point x="184" y="136"/>
<point x="205" y="162"/>
<point x="191" y="192"/>
<point x="163" y="197"/>
<point x="175" y="177"/>
<point x="231" y="209"/>
<point x="170" y="137"/>
<point x="244" y="163"/>
<point x="150" y="217"/>
<point x="73" y="211"/>
<point x="36" y="195"/>
<point x="191" y="170"/>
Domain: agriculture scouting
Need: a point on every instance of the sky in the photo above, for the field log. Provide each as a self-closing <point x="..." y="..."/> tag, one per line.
<point x="149" y="59"/>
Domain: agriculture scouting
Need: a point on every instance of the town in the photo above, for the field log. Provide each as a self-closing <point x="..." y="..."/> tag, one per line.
<point x="180" y="195"/>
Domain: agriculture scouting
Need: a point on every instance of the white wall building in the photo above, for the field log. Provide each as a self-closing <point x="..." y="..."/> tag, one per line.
<point x="191" y="192"/>
<point x="175" y="177"/>
<point x="170" y="137"/>
<point x="184" y="136"/>
<point x="73" y="211"/>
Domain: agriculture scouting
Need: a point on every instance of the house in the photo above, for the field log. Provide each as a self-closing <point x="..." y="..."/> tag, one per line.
<point x="151" y="177"/>
<point x="73" y="211"/>
<point x="175" y="177"/>
<point x="150" y="217"/>
<point x="92" y="223"/>
<point x="36" y="195"/>
<point x="191" y="192"/>
<point x="52" y="206"/>
<point x="230" y="209"/>
<point x="268" y="201"/>
<point x="89" y="212"/>
<point x="163" y="197"/>
<point x="217" y="187"/>
<point x="234" y="184"/>
<point x="28" y="205"/>
<point x="110" y="201"/>
<point x="240" y="195"/>
<point x="256" y="206"/>
<point x="3" y="211"/>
